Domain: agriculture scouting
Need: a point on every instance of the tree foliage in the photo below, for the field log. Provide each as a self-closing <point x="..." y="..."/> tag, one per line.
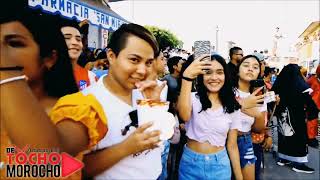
<point x="165" y="38"/>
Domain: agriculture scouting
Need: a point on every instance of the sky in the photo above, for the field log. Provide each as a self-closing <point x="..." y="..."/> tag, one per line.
<point x="250" y="24"/>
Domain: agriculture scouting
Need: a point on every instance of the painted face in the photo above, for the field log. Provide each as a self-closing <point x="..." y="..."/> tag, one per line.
<point x="214" y="79"/>
<point x="133" y="64"/>
<point x="238" y="56"/>
<point x="19" y="48"/>
<point x="160" y="64"/>
<point x="73" y="41"/>
<point x="249" y="69"/>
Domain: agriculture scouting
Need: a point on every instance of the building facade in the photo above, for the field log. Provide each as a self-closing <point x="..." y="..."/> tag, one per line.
<point x="308" y="48"/>
<point x="102" y="20"/>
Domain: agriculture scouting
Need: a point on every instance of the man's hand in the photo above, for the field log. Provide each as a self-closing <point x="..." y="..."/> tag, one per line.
<point x="267" y="143"/>
<point x="150" y="89"/>
<point x="141" y="140"/>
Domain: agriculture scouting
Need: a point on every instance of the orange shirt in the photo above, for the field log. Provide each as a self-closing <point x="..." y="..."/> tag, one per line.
<point x="315" y="86"/>
<point x="83" y="77"/>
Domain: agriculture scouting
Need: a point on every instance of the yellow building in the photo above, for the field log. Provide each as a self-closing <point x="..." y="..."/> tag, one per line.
<point x="308" y="48"/>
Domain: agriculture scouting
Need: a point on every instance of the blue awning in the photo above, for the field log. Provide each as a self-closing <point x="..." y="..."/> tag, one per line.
<point x="72" y="9"/>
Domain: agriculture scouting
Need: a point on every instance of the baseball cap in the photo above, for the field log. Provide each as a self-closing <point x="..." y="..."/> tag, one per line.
<point x="259" y="56"/>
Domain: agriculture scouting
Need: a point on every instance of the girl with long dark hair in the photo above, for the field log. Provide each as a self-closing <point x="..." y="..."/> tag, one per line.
<point x="211" y="116"/>
<point x="252" y="115"/>
<point x="32" y="48"/>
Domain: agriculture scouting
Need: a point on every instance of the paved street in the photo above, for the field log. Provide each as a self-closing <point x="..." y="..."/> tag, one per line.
<point x="273" y="171"/>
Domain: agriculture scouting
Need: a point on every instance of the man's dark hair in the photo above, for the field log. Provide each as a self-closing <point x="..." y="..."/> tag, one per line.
<point x="119" y="38"/>
<point x="233" y="50"/>
<point x="267" y="71"/>
<point x="102" y="55"/>
<point x="69" y="23"/>
<point x="166" y="55"/>
<point x="173" y="61"/>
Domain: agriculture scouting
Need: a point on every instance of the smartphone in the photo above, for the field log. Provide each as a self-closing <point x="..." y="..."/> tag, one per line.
<point x="202" y="48"/>
<point x="255" y="84"/>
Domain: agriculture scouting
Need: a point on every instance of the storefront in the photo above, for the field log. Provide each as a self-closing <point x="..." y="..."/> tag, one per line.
<point x="102" y="19"/>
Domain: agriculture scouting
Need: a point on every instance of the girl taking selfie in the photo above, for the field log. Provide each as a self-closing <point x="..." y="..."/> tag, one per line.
<point x="253" y="112"/>
<point x="211" y="116"/>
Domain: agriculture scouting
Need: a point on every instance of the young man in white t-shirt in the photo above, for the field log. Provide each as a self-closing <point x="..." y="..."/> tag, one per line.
<point x="135" y="154"/>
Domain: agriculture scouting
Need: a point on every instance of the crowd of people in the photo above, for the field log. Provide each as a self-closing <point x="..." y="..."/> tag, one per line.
<point x="54" y="96"/>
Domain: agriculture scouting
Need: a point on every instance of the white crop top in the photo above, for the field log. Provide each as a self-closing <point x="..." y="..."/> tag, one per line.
<point x="247" y="121"/>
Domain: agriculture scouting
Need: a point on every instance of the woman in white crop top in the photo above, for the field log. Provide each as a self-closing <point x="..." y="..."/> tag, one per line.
<point x="212" y="122"/>
<point x="252" y="113"/>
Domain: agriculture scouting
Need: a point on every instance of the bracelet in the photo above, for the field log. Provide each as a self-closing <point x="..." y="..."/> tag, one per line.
<point x="11" y="68"/>
<point x="13" y="79"/>
<point x="187" y="79"/>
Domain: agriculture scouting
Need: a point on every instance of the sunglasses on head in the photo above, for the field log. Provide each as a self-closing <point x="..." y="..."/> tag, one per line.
<point x="134" y="122"/>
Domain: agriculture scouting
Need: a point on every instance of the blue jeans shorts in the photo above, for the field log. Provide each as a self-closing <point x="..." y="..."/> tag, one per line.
<point x="246" y="150"/>
<point x="197" y="166"/>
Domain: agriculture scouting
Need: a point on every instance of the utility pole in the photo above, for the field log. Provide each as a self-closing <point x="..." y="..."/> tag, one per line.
<point x="132" y="10"/>
<point x="217" y="39"/>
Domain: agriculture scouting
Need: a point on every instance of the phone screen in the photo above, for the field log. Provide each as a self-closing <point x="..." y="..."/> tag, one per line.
<point x="202" y="48"/>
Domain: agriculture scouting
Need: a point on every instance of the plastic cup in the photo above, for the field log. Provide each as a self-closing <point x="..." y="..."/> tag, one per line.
<point x="156" y="112"/>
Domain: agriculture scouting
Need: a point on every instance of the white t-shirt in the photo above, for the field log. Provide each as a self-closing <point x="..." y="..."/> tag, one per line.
<point x="146" y="165"/>
<point x="247" y="121"/>
<point x="92" y="77"/>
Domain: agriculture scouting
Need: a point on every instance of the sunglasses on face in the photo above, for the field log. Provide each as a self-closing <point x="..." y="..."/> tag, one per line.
<point x="134" y="122"/>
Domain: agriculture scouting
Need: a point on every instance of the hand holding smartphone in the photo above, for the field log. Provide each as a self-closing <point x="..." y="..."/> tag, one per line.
<point x="255" y="84"/>
<point x="269" y="96"/>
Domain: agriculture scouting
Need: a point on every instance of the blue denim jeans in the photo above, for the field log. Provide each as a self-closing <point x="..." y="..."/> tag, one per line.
<point x="246" y="150"/>
<point x="197" y="166"/>
<point x="164" y="160"/>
